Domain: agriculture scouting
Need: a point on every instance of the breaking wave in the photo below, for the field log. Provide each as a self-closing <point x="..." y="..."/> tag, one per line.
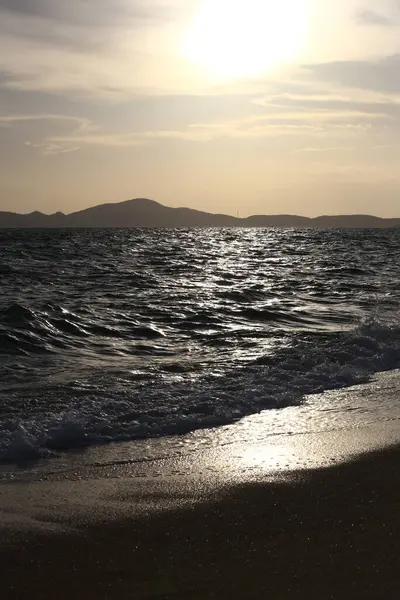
<point x="70" y="419"/>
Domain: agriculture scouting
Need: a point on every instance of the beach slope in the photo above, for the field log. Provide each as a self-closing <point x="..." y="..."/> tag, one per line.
<point x="327" y="533"/>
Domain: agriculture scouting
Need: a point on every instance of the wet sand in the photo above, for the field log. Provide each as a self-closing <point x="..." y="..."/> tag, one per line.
<point x="331" y="533"/>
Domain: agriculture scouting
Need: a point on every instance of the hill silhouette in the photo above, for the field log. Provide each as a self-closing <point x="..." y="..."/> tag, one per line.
<point x="141" y="212"/>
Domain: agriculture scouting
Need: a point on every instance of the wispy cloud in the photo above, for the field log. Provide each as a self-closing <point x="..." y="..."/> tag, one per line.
<point x="380" y="13"/>
<point x="75" y="26"/>
<point x="371" y="17"/>
<point x="51" y="149"/>
<point x="322" y="150"/>
<point x="381" y="75"/>
<point x="82" y="124"/>
<point x="96" y="48"/>
<point x="280" y="114"/>
<point x="332" y="105"/>
<point x="46" y="146"/>
<point x="87" y="14"/>
<point x="121" y="140"/>
<point x="261" y="127"/>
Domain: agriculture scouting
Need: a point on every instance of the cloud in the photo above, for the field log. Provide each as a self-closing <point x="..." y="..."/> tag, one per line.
<point x="320" y="115"/>
<point x="370" y="17"/>
<point x="84" y="12"/>
<point x="85" y="133"/>
<point x="50" y="149"/>
<point x="207" y="132"/>
<point x="45" y="145"/>
<point x="113" y="50"/>
<point x="283" y="126"/>
<point x="381" y="75"/>
<point x="97" y="48"/>
<point x="322" y="150"/>
<point x="82" y="25"/>
<point x="7" y="120"/>
<point x="337" y="101"/>
<point x="124" y="140"/>
<point x="387" y="14"/>
<point x="332" y="105"/>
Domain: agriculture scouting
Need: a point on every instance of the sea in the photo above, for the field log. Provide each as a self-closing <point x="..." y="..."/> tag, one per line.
<point x="113" y="336"/>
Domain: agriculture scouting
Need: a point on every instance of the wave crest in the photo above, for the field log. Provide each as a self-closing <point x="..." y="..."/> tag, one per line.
<point x="313" y="364"/>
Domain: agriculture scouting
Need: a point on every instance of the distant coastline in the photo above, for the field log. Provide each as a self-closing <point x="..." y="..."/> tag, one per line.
<point x="141" y="212"/>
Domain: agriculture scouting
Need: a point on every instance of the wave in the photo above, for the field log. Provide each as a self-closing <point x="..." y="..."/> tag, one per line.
<point x="109" y="335"/>
<point x="309" y="364"/>
<point x="24" y="331"/>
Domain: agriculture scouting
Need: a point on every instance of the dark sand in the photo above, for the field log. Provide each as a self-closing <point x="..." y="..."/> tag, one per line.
<point x="328" y="534"/>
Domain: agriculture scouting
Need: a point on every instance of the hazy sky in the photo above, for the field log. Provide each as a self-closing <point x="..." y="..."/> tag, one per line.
<point x="261" y="106"/>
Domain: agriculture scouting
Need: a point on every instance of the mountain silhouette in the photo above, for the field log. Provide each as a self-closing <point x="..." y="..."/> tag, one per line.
<point x="141" y="212"/>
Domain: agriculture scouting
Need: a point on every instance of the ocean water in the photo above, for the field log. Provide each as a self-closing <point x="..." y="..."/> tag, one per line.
<point x="119" y="335"/>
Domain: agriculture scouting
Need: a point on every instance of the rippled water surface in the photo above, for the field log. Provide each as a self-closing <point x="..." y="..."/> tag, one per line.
<point x="112" y="335"/>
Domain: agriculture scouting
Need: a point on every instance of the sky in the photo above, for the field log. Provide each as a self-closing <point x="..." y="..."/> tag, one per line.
<point x="255" y="106"/>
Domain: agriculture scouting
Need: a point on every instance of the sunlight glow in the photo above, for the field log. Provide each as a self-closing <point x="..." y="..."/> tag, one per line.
<point x="244" y="38"/>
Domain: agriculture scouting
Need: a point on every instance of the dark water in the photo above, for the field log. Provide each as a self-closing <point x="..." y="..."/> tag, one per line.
<point x="109" y="335"/>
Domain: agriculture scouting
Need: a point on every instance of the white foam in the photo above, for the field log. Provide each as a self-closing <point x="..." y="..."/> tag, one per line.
<point x="166" y="408"/>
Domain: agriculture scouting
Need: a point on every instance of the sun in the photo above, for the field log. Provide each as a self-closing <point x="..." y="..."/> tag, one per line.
<point x="245" y="38"/>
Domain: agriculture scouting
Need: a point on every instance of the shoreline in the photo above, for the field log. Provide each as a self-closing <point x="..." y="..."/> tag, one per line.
<point x="325" y="533"/>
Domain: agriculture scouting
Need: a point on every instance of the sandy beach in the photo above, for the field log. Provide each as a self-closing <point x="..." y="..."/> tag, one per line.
<point x="231" y="512"/>
<point x="322" y="533"/>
